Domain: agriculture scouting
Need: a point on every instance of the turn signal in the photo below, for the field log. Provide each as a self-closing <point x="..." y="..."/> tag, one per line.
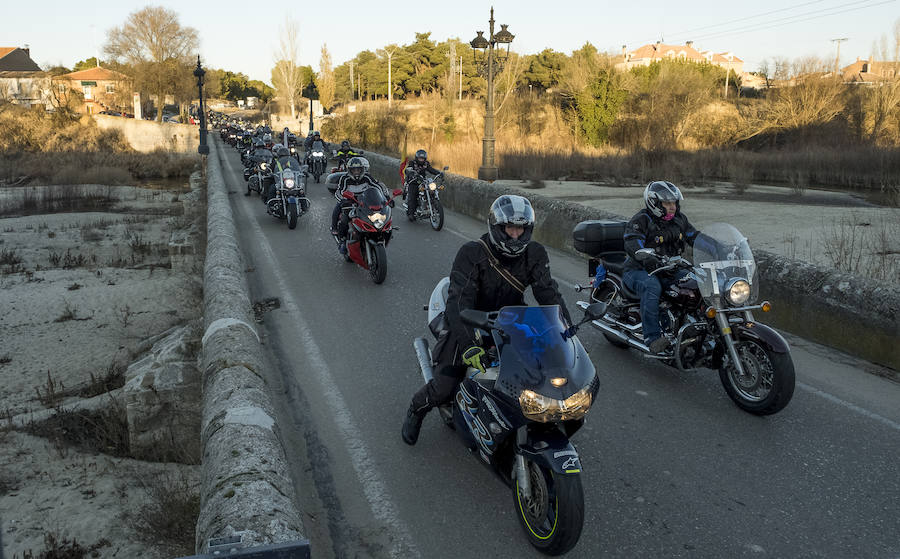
<point x="710" y="312"/>
<point x="766" y="306"/>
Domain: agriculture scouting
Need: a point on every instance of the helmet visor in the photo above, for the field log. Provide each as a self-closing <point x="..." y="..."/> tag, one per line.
<point x="512" y="211"/>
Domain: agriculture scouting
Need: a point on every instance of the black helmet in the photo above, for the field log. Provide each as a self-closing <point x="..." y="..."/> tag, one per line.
<point x="282" y="151"/>
<point x="510" y="209"/>
<point x="421" y="156"/>
<point x="356" y="167"/>
<point x="658" y="192"/>
<point x="345" y="144"/>
<point x="316" y="133"/>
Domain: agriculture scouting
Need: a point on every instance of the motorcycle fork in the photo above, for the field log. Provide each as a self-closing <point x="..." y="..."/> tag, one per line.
<point x="725" y="331"/>
<point x="521" y="473"/>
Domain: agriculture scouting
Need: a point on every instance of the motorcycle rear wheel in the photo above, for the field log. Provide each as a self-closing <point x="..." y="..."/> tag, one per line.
<point x="554" y="515"/>
<point x="768" y="381"/>
<point x="378" y="266"/>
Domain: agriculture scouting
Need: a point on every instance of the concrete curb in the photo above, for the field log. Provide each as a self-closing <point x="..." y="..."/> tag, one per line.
<point x="850" y="313"/>
<point x="245" y="487"/>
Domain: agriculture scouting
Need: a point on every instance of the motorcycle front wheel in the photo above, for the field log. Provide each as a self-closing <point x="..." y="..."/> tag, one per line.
<point x="437" y="215"/>
<point x="292" y="216"/>
<point x="767" y="384"/>
<point x="553" y="516"/>
<point x="378" y="266"/>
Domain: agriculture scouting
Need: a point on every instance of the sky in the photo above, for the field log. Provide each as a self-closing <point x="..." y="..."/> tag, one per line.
<point x="244" y="36"/>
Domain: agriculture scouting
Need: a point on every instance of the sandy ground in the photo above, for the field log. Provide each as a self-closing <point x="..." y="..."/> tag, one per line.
<point x="816" y="226"/>
<point x="78" y="292"/>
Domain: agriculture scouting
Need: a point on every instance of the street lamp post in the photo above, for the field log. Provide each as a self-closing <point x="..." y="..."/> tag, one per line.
<point x="203" y="148"/>
<point x="488" y="169"/>
<point x="312" y="92"/>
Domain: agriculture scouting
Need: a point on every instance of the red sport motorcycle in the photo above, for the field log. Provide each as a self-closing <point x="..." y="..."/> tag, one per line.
<point x="369" y="230"/>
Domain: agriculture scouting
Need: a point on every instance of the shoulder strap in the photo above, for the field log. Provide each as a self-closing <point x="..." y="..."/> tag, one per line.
<point x="504" y="273"/>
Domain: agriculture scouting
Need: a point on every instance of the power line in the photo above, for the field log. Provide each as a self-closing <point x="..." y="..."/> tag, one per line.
<point x="744" y="18"/>
<point x="797" y="18"/>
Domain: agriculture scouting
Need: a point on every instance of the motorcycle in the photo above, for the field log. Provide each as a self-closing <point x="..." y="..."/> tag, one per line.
<point x="429" y="205"/>
<point x="316" y="159"/>
<point x="369" y="230"/>
<point x="258" y="171"/>
<point x="519" y="413"/>
<point x="289" y="201"/>
<point x="343" y="158"/>
<point x="706" y="314"/>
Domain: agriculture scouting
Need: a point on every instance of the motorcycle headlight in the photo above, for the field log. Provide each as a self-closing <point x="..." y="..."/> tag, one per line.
<point x="262" y="166"/>
<point x="432" y="186"/>
<point x="293" y="149"/>
<point x="545" y="409"/>
<point x="738" y="291"/>
<point x="289" y="183"/>
<point x="318" y="154"/>
<point x="377" y="219"/>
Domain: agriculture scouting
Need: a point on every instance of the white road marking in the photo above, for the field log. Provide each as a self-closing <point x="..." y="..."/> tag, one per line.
<point x="853" y="407"/>
<point x="366" y="471"/>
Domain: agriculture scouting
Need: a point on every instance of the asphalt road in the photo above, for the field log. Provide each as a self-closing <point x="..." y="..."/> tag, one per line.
<point x="671" y="467"/>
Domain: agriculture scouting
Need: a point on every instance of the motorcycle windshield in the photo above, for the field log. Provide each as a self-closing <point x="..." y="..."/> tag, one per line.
<point x="371" y="198"/>
<point x="318" y="146"/>
<point x="535" y="352"/>
<point x="722" y="254"/>
<point x="289" y="162"/>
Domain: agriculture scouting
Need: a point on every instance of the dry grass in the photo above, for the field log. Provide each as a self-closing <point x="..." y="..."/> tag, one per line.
<point x="103" y="430"/>
<point x="61" y="547"/>
<point x="858" y="244"/>
<point x="169" y="515"/>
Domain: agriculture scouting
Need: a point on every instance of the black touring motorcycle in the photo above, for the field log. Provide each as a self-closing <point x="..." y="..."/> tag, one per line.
<point x="519" y="413"/>
<point x="707" y="315"/>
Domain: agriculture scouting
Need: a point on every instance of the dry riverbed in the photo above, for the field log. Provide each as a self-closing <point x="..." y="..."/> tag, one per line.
<point x="81" y="293"/>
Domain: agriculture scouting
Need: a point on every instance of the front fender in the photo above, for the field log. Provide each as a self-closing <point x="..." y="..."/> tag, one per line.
<point x="559" y="455"/>
<point x="763" y="334"/>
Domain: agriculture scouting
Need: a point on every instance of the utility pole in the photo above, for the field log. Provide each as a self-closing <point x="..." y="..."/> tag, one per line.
<point x="352" y="89"/>
<point x="837" y="58"/>
<point x="460" y="78"/>
<point x="389" y="54"/>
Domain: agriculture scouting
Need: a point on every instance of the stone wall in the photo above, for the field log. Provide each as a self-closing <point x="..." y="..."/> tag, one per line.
<point x="148" y="135"/>
<point x="853" y="314"/>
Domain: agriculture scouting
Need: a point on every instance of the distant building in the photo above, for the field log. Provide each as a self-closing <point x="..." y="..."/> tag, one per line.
<point x="864" y="71"/>
<point x="103" y="89"/>
<point x="656" y="52"/>
<point x="15" y="59"/>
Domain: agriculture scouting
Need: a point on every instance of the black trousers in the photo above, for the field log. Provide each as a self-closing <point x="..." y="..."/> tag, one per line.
<point x="439" y="390"/>
<point x="412" y="198"/>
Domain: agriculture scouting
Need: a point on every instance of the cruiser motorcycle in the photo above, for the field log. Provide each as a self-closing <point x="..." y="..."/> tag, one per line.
<point x="707" y="314"/>
<point x="429" y="206"/>
<point x="289" y="201"/>
<point x="518" y="414"/>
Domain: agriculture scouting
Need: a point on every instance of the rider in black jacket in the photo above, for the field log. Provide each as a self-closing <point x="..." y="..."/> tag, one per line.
<point x="660" y="226"/>
<point x="355" y="180"/>
<point x="418" y="165"/>
<point x="475" y="283"/>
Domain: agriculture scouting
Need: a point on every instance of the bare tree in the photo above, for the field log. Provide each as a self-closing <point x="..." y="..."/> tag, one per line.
<point x="157" y="46"/>
<point x="326" y="79"/>
<point x="287" y="78"/>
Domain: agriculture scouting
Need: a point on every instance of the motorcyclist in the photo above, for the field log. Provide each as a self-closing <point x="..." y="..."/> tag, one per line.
<point x="345" y="153"/>
<point x="487" y="274"/>
<point x="308" y="142"/>
<point x="282" y="160"/>
<point x="258" y="154"/>
<point x="418" y="165"/>
<point x="355" y="180"/>
<point x="660" y="225"/>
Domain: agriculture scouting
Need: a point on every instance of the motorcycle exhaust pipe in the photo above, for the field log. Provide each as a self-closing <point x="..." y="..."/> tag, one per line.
<point x="619" y="336"/>
<point x="423" y="354"/>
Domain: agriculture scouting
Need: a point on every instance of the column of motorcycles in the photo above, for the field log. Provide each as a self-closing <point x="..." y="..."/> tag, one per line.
<point x="517" y="415"/>
<point x="274" y="168"/>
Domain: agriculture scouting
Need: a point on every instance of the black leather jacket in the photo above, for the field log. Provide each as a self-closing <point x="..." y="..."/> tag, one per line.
<point x="474" y="284"/>
<point x="646" y="231"/>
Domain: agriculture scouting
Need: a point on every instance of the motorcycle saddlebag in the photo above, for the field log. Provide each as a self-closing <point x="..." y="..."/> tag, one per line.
<point x="598" y="236"/>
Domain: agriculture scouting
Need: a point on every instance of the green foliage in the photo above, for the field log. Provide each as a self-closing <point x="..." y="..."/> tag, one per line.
<point x="545" y="69"/>
<point x="87" y="64"/>
<point x="597" y="107"/>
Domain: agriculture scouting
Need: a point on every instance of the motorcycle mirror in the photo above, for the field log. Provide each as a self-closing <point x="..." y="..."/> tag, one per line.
<point x="446" y="167"/>
<point x="476" y="319"/>
<point x="397" y="192"/>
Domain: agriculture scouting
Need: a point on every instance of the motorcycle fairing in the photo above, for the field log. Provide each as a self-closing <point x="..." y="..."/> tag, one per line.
<point x="558" y="455"/>
<point x="473" y="418"/>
